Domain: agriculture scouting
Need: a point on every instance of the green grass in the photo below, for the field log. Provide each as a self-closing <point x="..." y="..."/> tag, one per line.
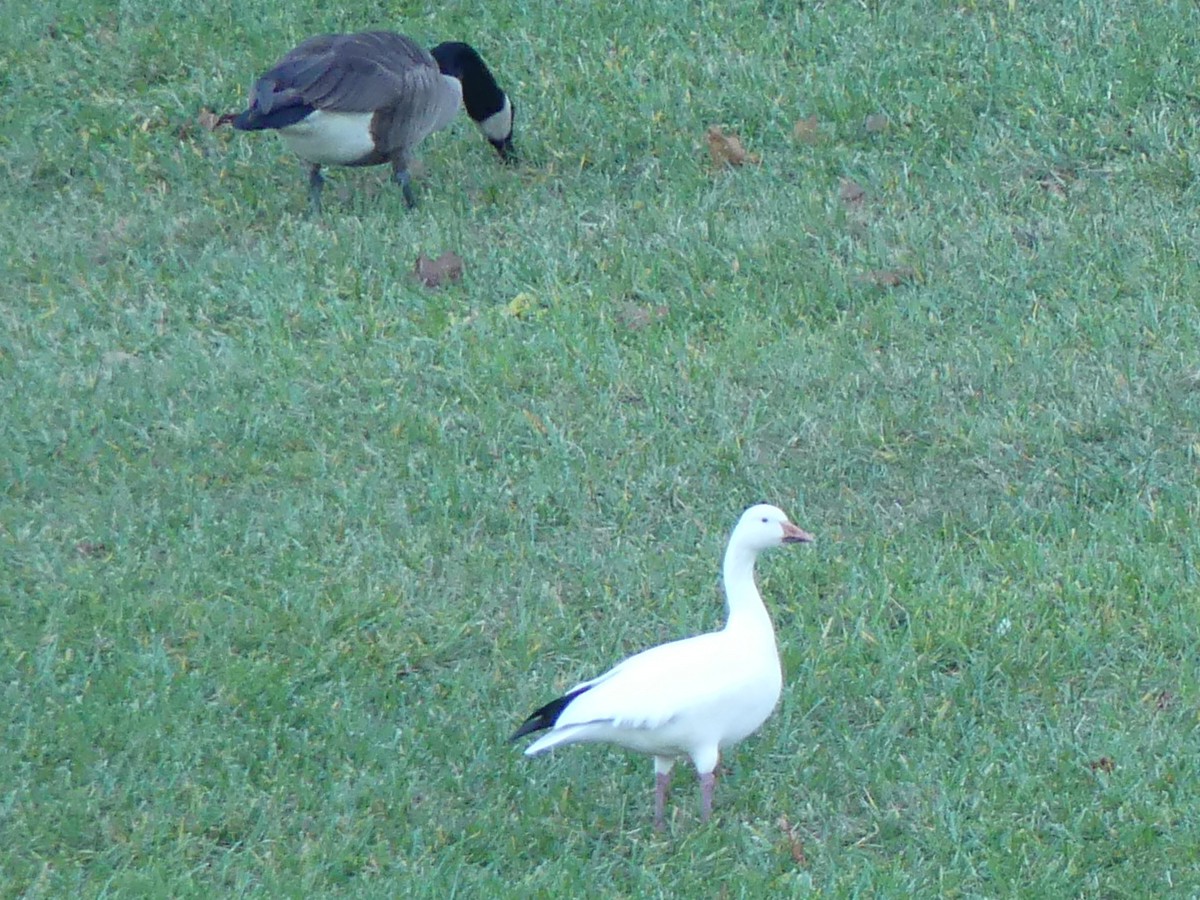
<point x="289" y="543"/>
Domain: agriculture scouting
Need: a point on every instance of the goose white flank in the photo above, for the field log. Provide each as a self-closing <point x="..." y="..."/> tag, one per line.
<point x="695" y="697"/>
<point x="371" y="98"/>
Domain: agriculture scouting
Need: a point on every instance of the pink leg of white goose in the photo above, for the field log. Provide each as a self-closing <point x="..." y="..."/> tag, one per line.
<point x="708" y="781"/>
<point x="662" y="781"/>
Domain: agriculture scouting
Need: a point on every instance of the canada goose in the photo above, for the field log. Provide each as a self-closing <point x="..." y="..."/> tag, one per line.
<point x="370" y="98"/>
<point x="694" y="697"/>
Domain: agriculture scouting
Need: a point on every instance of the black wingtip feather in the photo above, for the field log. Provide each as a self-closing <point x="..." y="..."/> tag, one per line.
<point x="544" y="717"/>
<point x="254" y="120"/>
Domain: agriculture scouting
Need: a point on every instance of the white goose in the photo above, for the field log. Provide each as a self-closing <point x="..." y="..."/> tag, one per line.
<point x="694" y="697"/>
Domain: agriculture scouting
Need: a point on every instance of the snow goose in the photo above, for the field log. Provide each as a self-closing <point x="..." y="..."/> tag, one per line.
<point x="693" y="697"/>
<point x="370" y="98"/>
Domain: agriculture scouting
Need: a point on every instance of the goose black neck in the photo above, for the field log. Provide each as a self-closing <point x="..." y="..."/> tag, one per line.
<point x="482" y="97"/>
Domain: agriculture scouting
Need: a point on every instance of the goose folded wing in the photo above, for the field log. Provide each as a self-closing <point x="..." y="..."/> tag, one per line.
<point x="653" y="688"/>
<point x="348" y="73"/>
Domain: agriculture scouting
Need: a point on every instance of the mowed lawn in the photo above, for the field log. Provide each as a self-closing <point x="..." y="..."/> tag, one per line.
<point x="290" y="542"/>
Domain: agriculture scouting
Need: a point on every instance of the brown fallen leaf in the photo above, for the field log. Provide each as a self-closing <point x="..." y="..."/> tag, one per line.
<point x="1025" y="237"/>
<point x="535" y="420"/>
<point x="436" y="272"/>
<point x="726" y="149"/>
<point x="851" y="192"/>
<point x="1103" y="764"/>
<point x="796" y="844"/>
<point x="636" y="317"/>
<point x="1057" y="180"/>
<point x="1053" y="186"/>
<point x="208" y="119"/>
<point x="889" y="277"/>
<point x="110" y="359"/>
<point x="807" y="131"/>
<point x="877" y="123"/>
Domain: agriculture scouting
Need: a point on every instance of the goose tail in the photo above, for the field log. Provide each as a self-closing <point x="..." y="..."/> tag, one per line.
<point x="544" y="717"/>
<point x="254" y="119"/>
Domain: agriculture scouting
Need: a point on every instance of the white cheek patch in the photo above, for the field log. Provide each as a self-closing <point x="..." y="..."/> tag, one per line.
<point x="498" y="126"/>
<point x="331" y="138"/>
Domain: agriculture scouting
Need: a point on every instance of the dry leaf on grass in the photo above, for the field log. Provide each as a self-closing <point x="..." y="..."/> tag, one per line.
<point x="208" y="119"/>
<point x="889" y="277"/>
<point x="521" y="305"/>
<point x="436" y="272"/>
<point x="807" y="131"/>
<point x="1057" y="180"/>
<point x="535" y="420"/>
<point x="1053" y="186"/>
<point x="851" y="192"/>
<point x="111" y="359"/>
<point x="1103" y="764"/>
<point x="1026" y="237"/>
<point x="726" y="149"/>
<point x="636" y="317"/>
<point x="796" y="844"/>
<point x="877" y="123"/>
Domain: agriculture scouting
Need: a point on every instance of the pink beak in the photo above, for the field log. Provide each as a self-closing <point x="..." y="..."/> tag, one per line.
<point x="794" y="535"/>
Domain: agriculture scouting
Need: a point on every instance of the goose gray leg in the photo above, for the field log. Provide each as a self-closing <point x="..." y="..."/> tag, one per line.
<point x="315" y="184"/>
<point x="400" y="175"/>
<point x="405" y="182"/>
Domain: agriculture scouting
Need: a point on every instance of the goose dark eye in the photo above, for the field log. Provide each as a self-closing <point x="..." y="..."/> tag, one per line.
<point x="764" y="520"/>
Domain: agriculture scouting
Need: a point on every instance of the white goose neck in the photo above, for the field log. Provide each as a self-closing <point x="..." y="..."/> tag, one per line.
<point x="741" y="593"/>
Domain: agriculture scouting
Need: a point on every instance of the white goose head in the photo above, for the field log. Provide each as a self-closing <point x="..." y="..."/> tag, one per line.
<point x="764" y="526"/>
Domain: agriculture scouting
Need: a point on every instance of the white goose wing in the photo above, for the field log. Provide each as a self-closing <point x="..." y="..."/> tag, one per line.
<point x="685" y="690"/>
<point x="649" y="689"/>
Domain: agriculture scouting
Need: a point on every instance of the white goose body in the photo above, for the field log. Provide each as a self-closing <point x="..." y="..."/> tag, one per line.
<point x="693" y="697"/>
